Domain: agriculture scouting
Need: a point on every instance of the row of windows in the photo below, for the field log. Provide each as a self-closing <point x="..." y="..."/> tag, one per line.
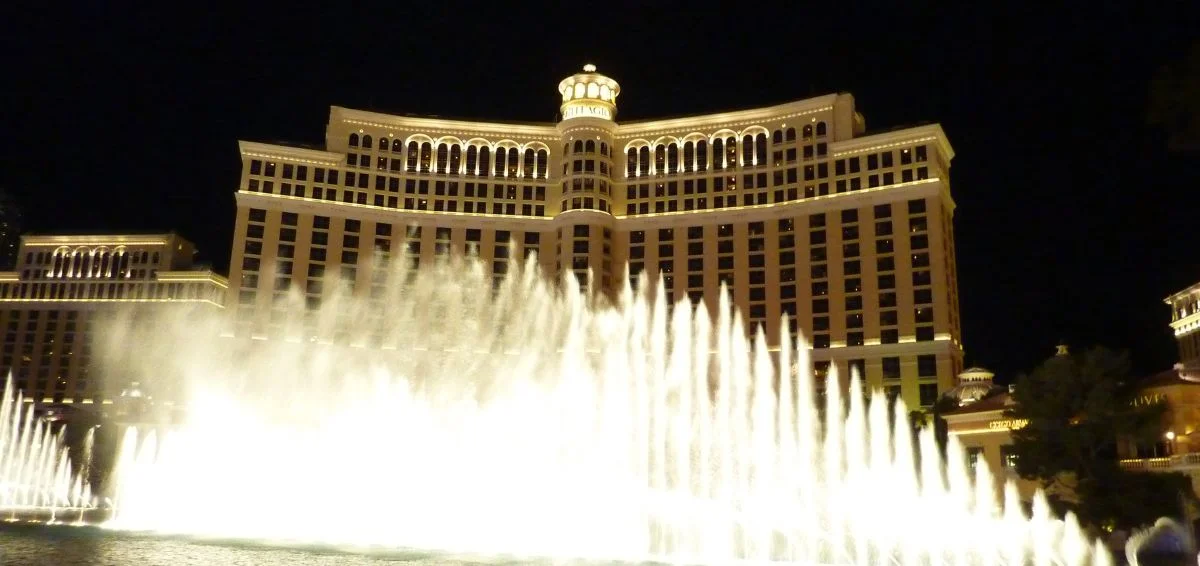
<point x="412" y="203"/>
<point x="665" y="195"/>
<point x="582" y="147"/>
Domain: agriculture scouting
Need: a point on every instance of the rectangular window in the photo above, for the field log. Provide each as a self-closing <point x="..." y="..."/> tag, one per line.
<point x="927" y="365"/>
<point x="891" y="368"/>
<point x="928" y="394"/>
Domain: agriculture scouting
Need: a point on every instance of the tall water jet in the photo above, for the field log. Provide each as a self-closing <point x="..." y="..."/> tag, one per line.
<point x="37" y="479"/>
<point x="538" y="422"/>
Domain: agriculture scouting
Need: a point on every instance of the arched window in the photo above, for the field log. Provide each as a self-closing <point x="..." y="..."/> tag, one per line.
<point x="154" y="259"/>
<point x="397" y="145"/>
<point x="760" y="149"/>
<point x="119" y="262"/>
<point x="644" y="160"/>
<point x="777" y="137"/>
<point x="578" y="146"/>
<point x="472" y="159"/>
<point x="543" y="163"/>
<point x="513" y="157"/>
<point x="485" y="160"/>
<point x="730" y="152"/>
<point x="604" y="149"/>
<point x="455" y="159"/>
<point x="689" y="156"/>
<point x="145" y="257"/>
<point x="530" y="163"/>
<point x="353" y="140"/>
<point x="790" y="134"/>
<point x="808" y="131"/>
<point x="426" y="156"/>
<point x="443" y="155"/>
<point x="383" y="144"/>
<point x="631" y="162"/>
<point x="718" y="154"/>
<point x="589" y="147"/>
<point x="413" y="151"/>
<point x="660" y="159"/>
<point x="820" y="129"/>
<point x="567" y="148"/>
<point x="104" y="259"/>
<point x="673" y="158"/>
<point x="747" y="150"/>
<point x="58" y="264"/>
<point x="702" y="155"/>
<point x="501" y="155"/>
<point x="366" y="141"/>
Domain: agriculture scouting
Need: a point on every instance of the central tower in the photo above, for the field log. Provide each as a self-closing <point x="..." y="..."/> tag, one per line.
<point x="585" y="223"/>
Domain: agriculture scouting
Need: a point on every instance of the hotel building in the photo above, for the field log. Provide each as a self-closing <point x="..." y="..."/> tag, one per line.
<point x="63" y="288"/>
<point x="796" y="208"/>
<point x="1185" y="325"/>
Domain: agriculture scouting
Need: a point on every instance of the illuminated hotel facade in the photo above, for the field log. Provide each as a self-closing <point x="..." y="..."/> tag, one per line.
<point x="793" y="207"/>
<point x="53" y="305"/>
<point x="1185" y="325"/>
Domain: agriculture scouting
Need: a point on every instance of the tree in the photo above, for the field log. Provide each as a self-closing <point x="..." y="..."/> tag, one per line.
<point x="1078" y="407"/>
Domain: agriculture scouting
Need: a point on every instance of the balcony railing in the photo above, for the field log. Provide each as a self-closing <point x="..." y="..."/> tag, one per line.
<point x="1169" y="463"/>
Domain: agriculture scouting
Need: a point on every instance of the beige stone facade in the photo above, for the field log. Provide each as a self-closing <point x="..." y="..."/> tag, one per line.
<point x="63" y="287"/>
<point x="1185" y="325"/>
<point x="794" y="207"/>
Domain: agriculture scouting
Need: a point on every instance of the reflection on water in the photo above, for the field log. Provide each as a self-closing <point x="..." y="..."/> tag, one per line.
<point x="39" y="545"/>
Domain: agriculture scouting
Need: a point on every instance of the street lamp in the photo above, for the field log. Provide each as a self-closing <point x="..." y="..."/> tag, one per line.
<point x="1170" y="436"/>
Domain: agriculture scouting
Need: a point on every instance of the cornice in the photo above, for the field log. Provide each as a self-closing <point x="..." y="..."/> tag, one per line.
<point x="99" y="240"/>
<point x="736" y="118"/>
<point x="755" y="212"/>
<point x="202" y="276"/>
<point x="1192" y="290"/>
<point x="384" y="214"/>
<point x="283" y="152"/>
<point x="895" y="138"/>
<point x="437" y="125"/>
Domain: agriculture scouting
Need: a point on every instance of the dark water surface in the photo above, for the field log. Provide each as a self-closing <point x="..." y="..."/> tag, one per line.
<point x="40" y="545"/>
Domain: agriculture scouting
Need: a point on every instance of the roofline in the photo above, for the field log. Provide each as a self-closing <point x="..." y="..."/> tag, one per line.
<point x="537" y="130"/>
<point x="932" y="132"/>
<point x="1179" y="294"/>
<point x="198" y="275"/>
<point x="99" y="239"/>
<point x="300" y="154"/>
<point x="962" y="412"/>
<point x="778" y="111"/>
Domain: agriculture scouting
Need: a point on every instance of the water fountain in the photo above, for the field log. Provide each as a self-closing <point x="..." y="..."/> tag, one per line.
<point x="437" y="413"/>
<point x="37" y="480"/>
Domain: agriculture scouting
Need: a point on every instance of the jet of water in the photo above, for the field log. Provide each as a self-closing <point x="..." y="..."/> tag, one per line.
<point x="433" y="412"/>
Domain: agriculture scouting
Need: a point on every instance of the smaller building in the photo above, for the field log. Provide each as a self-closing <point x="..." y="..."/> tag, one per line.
<point x="1178" y="450"/>
<point x="1185" y="325"/>
<point x="979" y="423"/>
<point x="63" y="284"/>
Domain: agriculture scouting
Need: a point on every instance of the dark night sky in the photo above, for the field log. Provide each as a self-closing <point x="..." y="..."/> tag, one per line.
<point x="1072" y="222"/>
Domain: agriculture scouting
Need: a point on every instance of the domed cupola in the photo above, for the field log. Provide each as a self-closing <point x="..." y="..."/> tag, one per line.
<point x="588" y="95"/>
<point x="973" y="384"/>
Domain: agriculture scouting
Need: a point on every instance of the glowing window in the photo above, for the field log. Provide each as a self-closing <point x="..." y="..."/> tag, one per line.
<point x="605" y="92"/>
<point x="578" y="90"/>
<point x="593" y="90"/>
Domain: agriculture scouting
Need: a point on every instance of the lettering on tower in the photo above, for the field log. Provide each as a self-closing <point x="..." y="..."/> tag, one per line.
<point x="586" y="111"/>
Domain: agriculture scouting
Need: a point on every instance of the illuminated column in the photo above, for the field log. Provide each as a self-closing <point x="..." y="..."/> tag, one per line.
<point x="585" y="223"/>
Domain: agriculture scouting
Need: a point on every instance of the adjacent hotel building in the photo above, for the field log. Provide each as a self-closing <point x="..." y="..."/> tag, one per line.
<point x="64" y="286"/>
<point x="795" y="207"/>
<point x="1185" y="325"/>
